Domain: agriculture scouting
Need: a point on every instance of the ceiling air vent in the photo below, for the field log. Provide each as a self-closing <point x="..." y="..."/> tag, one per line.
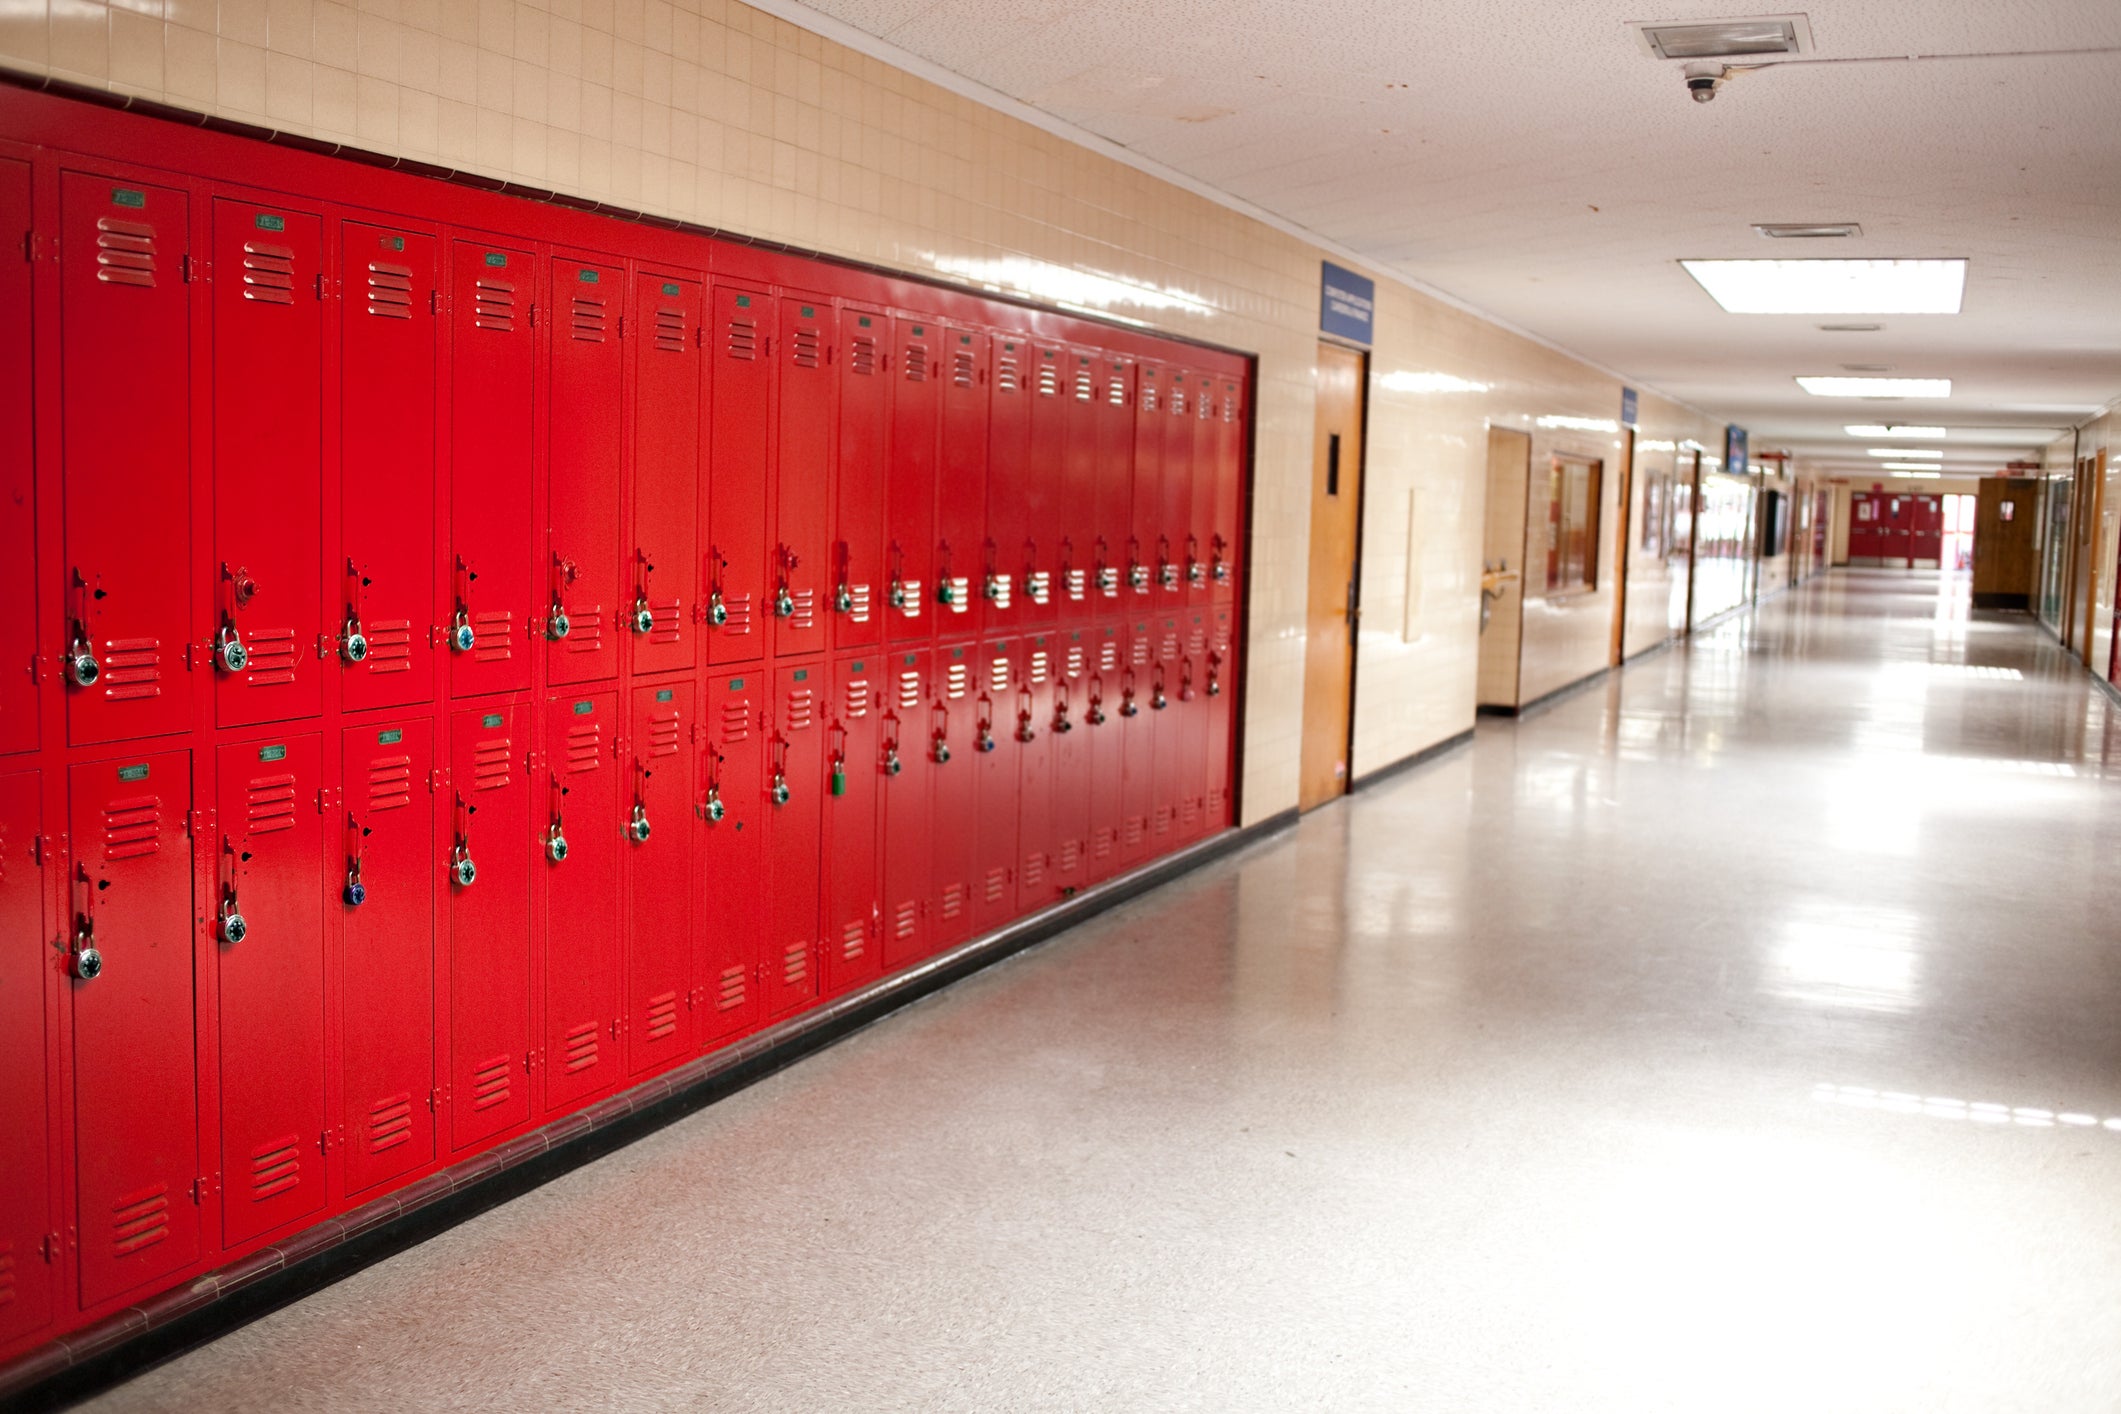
<point x="1725" y="39"/>
<point x="1802" y="231"/>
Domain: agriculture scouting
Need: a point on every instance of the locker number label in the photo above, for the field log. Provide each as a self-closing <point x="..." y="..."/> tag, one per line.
<point x="126" y="196"/>
<point x="491" y="719"/>
<point x="266" y="221"/>
<point x="133" y="773"/>
<point x="802" y="674"/>
<point x="663" y="694"/>
<point x="736" y="684"/>
<point x="390" y="736"/>
<point x="496" y="258"/>
<point x="589" y="277"/>
<point x="583" y="709"/>
<point x="669" y="288"/>
<point x="272" y="753"/>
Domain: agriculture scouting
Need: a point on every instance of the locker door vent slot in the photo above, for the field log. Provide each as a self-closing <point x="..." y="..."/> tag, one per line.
<point x="389" y="645"/>
<point x="857" y="705"/>
<point x="998" y="675"/>
<point x="1229" y="407"/>
<point x="273" y="655"/>
<point x="493" y="635"/>
<point x="1039" y="665"/>
<point x="1136" y="828"/>
<point x="743" y="339"/>
<point x="7" y="1275"/>
<point x="389" y="783"/>
<point x="586" y="633"/>
<point x="1075" y="661"/>
<point x="139" y="1220"/>
<point x="664" y="733"/>
<point x="587" y="324"/>
<point x="268" y="273"/>
<point x="1116" y="391"/>
<point x="1085" y="386"/>
<point x="490" y="762"/>
<point x="1048" y="381"/>
<point x="997" y="883"/>
<point x="1148" y="403"/>
<point x="861" y="355"/>
<point x="854" y="941"/>
<point x="1034" y="870"/>
<point x="1215" y="802"/>
<point x="1071" y="855"/>
<point x="1007" y="376"/>
<point x="125" y="252"/>
<point x="1178" y="401"/>
<point x="132" y="668"/>
<point x="494" y="305"/>
<point x="738" y="603"/>
<point x="585" y="748"/>
<point x="957" y="680"/>
<point x="271" y="804"/>
<point x="389" y="291"/>
<point x="1101" y="843"/>
<point x="962" y="367"/>
<point x="275" y="1168"/>
<point x="132" y="827"/>
<point x="670" y="331"/>
<point x="795" y="963"/>
<point x="665" y="617"/>
<point x="858" y="603"/>
<point x="490" y="1083"/>
<point x="733" y="992"/>
<point x="389" y="1123"/>
<point x="802" y="709"/>
<point x="954" y="900"/>
<point x="916" y="363"/>
<point x="662" y="1016"/>
<point x="806" y="349"/>
<point x="805" y="615"/>
<point x="909" y="691"/>
<point x="736" y="722"/>
<point x="581" y="1047"/>
<point x="907" y="919"/>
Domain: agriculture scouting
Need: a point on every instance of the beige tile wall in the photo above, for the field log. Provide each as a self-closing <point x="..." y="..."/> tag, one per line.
<point x="713" y="112"/>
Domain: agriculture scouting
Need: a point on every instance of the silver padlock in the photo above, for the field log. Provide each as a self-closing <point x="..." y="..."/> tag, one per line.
<point x="232" y="927"/>
<point x="82" y="667"/>
<point x="714" y="810"/>
<point x="984" y="741"/>
<point x="892" y="765"/>
<point x="637" y="827"/>
<point x="462" y="871"/>
<point x="780" y="788"/>
<point x="717" y="611"/>
<point x="229" y="651"/>
<point x="83" y="959"/>
<point x="843" y="600"/>
<point x="556" y="844"/>
<point x="643" y="616"/>
<point x="898" y="594"/>
<point x="783" y="603"/>
<point x="559" y="625"/>
<point x="942" y="750"/>
<point x="353" y="644"/>
<point x="945" y="592"/>
<point x="461" y="637"/>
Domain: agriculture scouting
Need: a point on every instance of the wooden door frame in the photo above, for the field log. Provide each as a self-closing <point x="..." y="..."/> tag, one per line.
<point x="1626" y="506"/>
<point x="1693" y="532"/>
<point x="1354" y="615"/>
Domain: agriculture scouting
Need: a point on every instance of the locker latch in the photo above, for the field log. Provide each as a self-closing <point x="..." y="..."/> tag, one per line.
<point x="783" y="601"/>
<point x="353" y="644"/>
<point x="1025" y="731"/>
<point x="1094" y="714"/>
<point x="354" y="893"/>
<point x="1061" y="725"/>
<point x="564" y="573"/>
<point x="229" y="924"/>
<point x="82" y="669"/>
<point x="1219" y="568"/>
<point x="1127" y="705"/>
<point x="1166" y="571"/>
<point x="83" y="959"/>
<point x="1215" y="675"/>
<point x="462" y="871"/>
<point x="939" y="736"/>
<point x="892" y="764"/>
<point x="712" y="809"/>
<point x="779" y="792"/>
<point x="556" y="832"/>
<point x="637" y="824"/>
<point x="1185" y="681"/>
<point x="1196" y="572"/>
<point x="238" y="588"/>
<point x="983" y="736"/>
<point x="1157" y="699"/>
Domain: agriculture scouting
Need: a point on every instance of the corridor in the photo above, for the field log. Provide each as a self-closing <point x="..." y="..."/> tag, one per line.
<point x="1743" y="1033"/>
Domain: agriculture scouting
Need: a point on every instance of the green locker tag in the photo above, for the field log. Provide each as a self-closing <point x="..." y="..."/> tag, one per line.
<point x="272" y="753"/>
<point x="918" y="331"/>
<point x="663" y="694"/>
<point x="865" y="321"/>
<point x="392" y="242"/>
<point x="491" y="719"/>
<point x="736" y="684"/>
<point x="809" y="313"/>
<point x="669" y="289"/>
<point x="589" y="277"/>
<point x="133" y="773"/>
<point x="495" y="258"/>
<point x="266" y="221"/>
<point x="126" y="196"/>
<point x="802" y="674"/>
<point x="743" y="301"/>
<point x="857" y="667"/>
<point x="583" y="709"/>
<point x="390" y="736"/>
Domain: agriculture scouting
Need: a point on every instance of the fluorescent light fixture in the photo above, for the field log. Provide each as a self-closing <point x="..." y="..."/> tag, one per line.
<point x="1832" y="286"/>
<point x="1914" y="469"/>
<point x="1581" y="424"/>
<point x="1877" y="387"/>
<point x="1877" y="429"/>
<point x="1402" y="380"/>
<point x="1723" y="39"/>
<point x="1903" y="453"/>
<point x="1910" y="474"/>
<point x="1802" y="231"/>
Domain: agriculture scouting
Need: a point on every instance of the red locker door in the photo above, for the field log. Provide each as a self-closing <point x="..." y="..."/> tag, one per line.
<point x="1103" y="735"/>
<point x="579" y="610"/>
<point x="663" y="588"/>
<point x="126" y="447"/>
<point x="911" y="751"/>
<point x="909" y="482"/>
<point x="1220" y="688"/>
<point x="492" y="580"/>
<point x="1009" y="551"/>
<point x="1040" y="486"/>
<point x="269" y="944"/>
<point x="488" y="869"/>
<point x="1112" y="494"/>
<point x="1174" y="480"/>
<point x="1169" y="762"/>
<point x="795" y="817"/>
<point x="1076" y="561"/>
<point x="1030" y="722"/>
<point x="268" y="374"/>
<point x="1191" y="706"/>
<point x="1147" y="495"/>
<point x="1229" y="472"/>
<point x="961" y="484"/>
<point x="662" y="836"/>
<point x="136" y="1139"/>
<point x="733" y="856"/>
<point x="386" y="609"/>
<point x="26" y="1213"/>
<point x="1137" y="732"/>
<point x="801" y="563"/>
<point x="953" y="842"/>
<point x="386" y="951"/>
<point x="997" y="762"/>
<point x="740" y="423"/>
<point x="1207" y="488"/>
<point x="578" y="849"/>
<point x="853" y="774"/>
<point x="1072" y="749"/>
<point x="858" y="488"/>
<point x="18" y="482"/>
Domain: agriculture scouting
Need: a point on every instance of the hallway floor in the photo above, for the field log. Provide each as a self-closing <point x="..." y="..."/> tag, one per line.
<point x="1742" y="1034"/>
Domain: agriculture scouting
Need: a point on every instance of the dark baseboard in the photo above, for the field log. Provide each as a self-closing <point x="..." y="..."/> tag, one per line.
<point x="2022" y="602"/>
<point x="1545" y="699"/>
<point x="120" y="1347"/>
<point x="1407" y="763"/>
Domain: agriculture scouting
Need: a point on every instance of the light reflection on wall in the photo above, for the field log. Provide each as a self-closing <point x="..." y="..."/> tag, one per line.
<point x="1085" y="291"/>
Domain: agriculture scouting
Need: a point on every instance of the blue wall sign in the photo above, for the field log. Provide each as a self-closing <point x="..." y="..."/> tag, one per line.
<point x="1627" y="407"/>
<point x="1734" y="450"/>
<point x="1347" y="304"/>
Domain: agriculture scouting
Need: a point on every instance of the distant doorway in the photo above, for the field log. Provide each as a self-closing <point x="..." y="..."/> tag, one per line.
<point x="1330" y="623"/>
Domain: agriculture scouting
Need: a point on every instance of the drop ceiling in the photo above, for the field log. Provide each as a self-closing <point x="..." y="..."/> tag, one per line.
<point x="1529" y="159"/>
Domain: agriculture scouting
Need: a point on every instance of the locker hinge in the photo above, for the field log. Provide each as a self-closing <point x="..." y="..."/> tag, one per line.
<point x="36" y="667"/>
<point x="189" y="266"/>
<point x="699" y="336"/>
<point x="198" y="824"/>
<point x="437" y="780"/>
<point x="530" y="1060"/>
<point x="622" y="326"/>
<point x="203" y="1186"/>
<point x="327" y="647"/>
<point x="434" y="301"/>
<point x="533" y="314"/>
<point x="30" y="245"/>
<point x="436" y="1098"/>
<point x="323" y="286"/>
<point x="51" y="1246"/>
<point x="40" y="850"/>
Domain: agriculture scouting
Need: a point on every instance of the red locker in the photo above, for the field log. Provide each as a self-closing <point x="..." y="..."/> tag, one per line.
<point x="268" y="924"/>
<point x="661" y="865"/>
<point x="26" y="1209"/>
<point x="912" y="748"/>
<point x="1074" y="766"/>
<point x="492" y="364"/>
<point x="579" y="612"/>
<point x="18" y="487"/>
<point x="661" y="586"/>
<point x="1207" y="491"/>
<point x="996" y="818"/>
<point x="795" y="782"/>
<point x="961" y="484"/>
<point x="1030" y="721"/>
<point x="385" y="612"/>
<point x="801" y="562"/>
<point x="1148" y="489"/>
<point x="139" y="1182"/>
<point x="1174" y="482"/>
<point x="1169" y="762"/>
<point x="268" y="377"/>
<point x="1137" y="732"/>
<point x="961" y="722"/>
<point x="1112" y="492"/>
<point x="1220" y="688"/>
<point x="578" y="849"/>
<point x="732" y="803"/>
<point x="1224" y="546"/>
<point x="1009" y="550"/>
<point x="858" y="487"/>
<point x="1076" y="562"/>
<point x="1191" y="707"/>
<point x="909" y="482"/>
<point x="488" y="872"/>
<point x="854" y="767"/>
<point x="1040" y="487"/>
<point x="124" y="307"/>
<point x="1103" y="735"/>
<point x="741" y="422"/>
<point x="385" y="900"/>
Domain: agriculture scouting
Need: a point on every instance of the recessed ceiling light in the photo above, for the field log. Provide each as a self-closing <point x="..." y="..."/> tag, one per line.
<point x="1916" y="474"/>
<point x="1877" y="387"/>
<point x="1905" y="452"/>
<point x="1850" y="328"/>
<point x="1866" y="368"/>
<point x="1832" y="286"/>
<point x="1722" y="39"/>
<point x="1795" y="231"/>
<point x="1876" y="429"/>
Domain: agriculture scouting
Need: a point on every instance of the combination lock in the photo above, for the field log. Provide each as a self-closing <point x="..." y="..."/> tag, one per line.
<point x="232" y="927"/>
<point x="229" y="651"/>
<point x="462" y="871"/>
<point x="1168" y="575"/>
<point x="637" y="826"/>
<point x="717" y="611"/>
<point x="843" y="600"/>
<point x="946" y="593"/>
<point x="1128" y="707"/>
<point x="984" y="741"/>
<point x="643" y="617"/>
<point x="559" y="625"/>
<point x="82" y="667"/>
<point x="353" y="644"/>
<point x="1158" y="700"/>
<point x="780" y="789"/>
<point x="461" y="638"/>
<point x="84" y="960"/>
<point x="1196" y="574"/>
<point x="714" y="810"/>
<point x="892" y="765"/>
<point x="1215" y="685"/>
<point x="783" y="603"/>
<point x="1222" y="573"/>
<point x="1025" y="732"/>
<point x="1096" y="715"/>
<point x="991" y="588"/>
<point x="942" y="750"/>
<point x="898" y="594"/>
<point x="1138" y="576"/>
<point x="556" y="844"/>
<point x="355" y="893"/>
<point x="1060" y="720"/>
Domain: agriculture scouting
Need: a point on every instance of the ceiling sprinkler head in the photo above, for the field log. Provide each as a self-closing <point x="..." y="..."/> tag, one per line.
<point x="1703" y="79"/>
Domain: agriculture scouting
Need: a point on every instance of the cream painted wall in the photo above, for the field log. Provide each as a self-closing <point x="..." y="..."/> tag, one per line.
<point x="712" y="112"/>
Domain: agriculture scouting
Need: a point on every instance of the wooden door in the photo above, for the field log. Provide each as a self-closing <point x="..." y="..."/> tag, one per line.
<point x="2092" y="469"/>
<point x="1625" y="502"/>
<point x="1336" y="502"/>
